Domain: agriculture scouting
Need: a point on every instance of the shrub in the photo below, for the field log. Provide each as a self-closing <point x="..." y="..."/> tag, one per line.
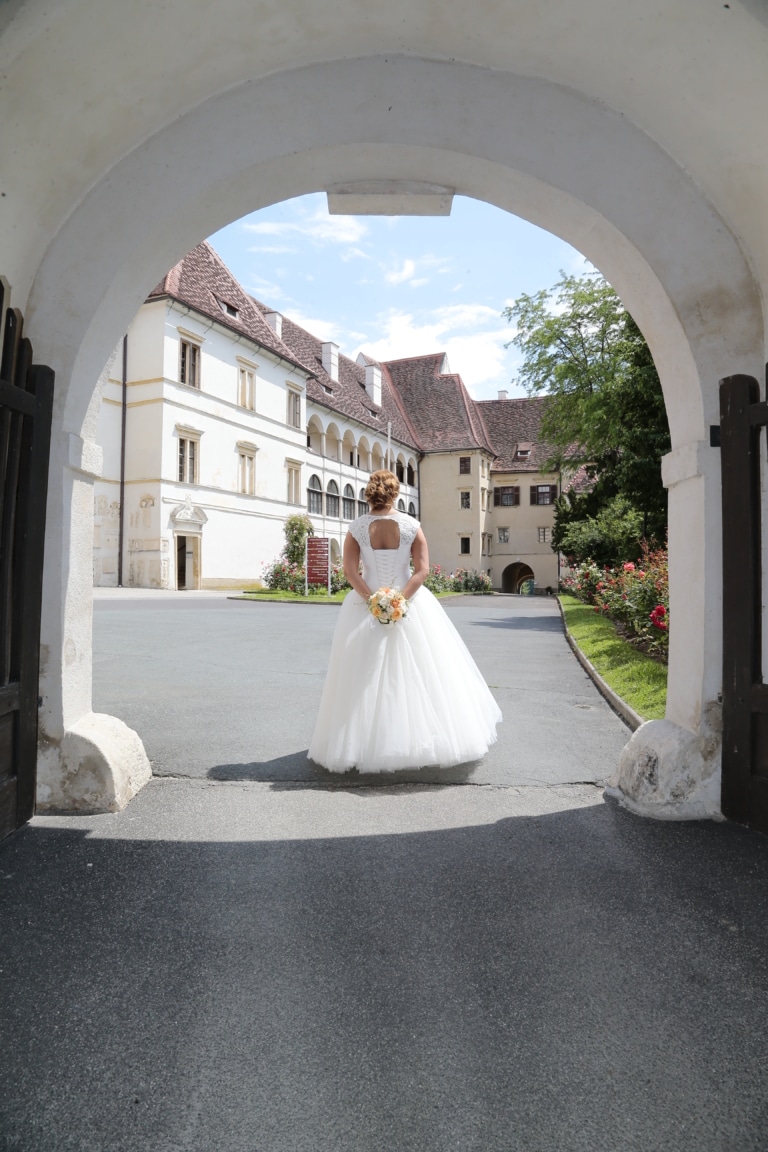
<point x="635" y="596"/>
<point x="437" y="579"/>
<point x="296" y="529"/>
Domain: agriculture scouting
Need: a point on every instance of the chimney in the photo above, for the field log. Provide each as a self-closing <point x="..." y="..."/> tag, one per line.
<point x="275" y="321"/>
<point x="331" y="359"/>
<point x="502" y="394"/>
<point x="373" y="382"/>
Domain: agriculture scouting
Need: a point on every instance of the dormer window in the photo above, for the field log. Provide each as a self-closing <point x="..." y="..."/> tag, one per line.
<point x="227" y="308"/>
<point x="327" y="389"/>
<point x="523" y="451"/>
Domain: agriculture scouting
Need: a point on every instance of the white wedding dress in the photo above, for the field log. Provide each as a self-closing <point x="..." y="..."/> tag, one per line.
<point x="402" y="695"/>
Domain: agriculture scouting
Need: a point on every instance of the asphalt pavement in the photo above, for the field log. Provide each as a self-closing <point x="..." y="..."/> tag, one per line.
<point x="229" y="689"/>
<point x="251" y="960"/>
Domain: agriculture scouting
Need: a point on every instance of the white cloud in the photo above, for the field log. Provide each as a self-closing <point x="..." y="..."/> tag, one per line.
<point x="265" y="290"/>
<point x="318" y="226"/>
<point x="401" y="275"/>
<point x="471" y="334"/>
<point x="355" y="254"/>
<point x="418" y="283"/>
<point x="273" y="249"/>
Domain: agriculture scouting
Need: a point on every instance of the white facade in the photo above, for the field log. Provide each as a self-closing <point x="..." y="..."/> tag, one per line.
<point x="214" y="467"/>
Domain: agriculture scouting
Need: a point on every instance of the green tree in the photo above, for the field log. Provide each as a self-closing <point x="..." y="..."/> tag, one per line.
<point x="582" y="349"/>
<point x="610" y="537"/>
<point x="296" y="530"/>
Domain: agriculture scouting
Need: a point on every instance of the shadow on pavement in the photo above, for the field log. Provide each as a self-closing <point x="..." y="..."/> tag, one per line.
<point x="523" y="623"/>
<point x="297" y="768"/>
<point x="580" y="980"/>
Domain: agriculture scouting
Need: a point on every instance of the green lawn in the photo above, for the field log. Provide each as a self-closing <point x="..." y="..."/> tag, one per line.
<point x="313" y="598"/>
<point x="637" y="678"/>
<point x="318" y="598"/>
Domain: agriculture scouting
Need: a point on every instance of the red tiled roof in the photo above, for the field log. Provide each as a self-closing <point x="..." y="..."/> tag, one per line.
<point x="438" y="405"/>
<point x="202" y="280"/>
<point x="513" y="423"/>
<point x="347" y="395"/>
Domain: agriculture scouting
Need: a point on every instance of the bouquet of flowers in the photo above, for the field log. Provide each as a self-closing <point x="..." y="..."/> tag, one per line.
<point x="388" y="605"/>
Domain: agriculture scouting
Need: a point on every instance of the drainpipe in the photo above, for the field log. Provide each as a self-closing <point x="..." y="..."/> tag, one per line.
<point x="123" y="411"/>
<point x="418" y="481"/>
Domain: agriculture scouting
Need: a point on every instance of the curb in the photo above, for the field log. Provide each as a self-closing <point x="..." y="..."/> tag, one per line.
<point x="632" y="719"/>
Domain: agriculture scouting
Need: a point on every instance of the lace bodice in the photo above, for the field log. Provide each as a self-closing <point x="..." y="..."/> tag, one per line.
<point x="385" y="567"/>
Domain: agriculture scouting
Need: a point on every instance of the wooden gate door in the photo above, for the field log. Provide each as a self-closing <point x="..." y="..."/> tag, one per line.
<point x="26" y="404"/>
<point x="745" y="697"/>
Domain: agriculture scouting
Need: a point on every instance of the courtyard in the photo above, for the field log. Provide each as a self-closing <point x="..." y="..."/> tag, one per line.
<point x="253" y="956"/>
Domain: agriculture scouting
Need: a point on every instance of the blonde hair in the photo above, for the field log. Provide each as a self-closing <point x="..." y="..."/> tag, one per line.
<point x="382" y="489"/>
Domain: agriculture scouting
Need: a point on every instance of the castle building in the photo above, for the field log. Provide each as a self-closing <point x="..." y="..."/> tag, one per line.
<point x="220" y="418"/>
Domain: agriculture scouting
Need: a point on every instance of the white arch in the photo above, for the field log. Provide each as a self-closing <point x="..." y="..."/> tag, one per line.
<point x="515" y="141"/>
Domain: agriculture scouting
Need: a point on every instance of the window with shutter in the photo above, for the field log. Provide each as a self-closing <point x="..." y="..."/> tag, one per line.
<point x="507" y="496"/>
<point x="543" y="493"/>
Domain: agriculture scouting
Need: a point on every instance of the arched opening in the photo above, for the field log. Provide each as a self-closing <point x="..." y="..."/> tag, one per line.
<point x="377" y="457"/>
<point x="515" y="576"/>
<point x="349" y="452"/>
<point x="334" y="449"/>
<point x="516" y="141"/>
<point x="315" y="436"/>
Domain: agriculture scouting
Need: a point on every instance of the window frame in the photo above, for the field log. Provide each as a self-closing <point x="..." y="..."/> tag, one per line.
<point x="505" y="538"/>
<point x="188" y="346"/>
<point x="538" y="490"/>
<point x="332" y="501"/>
<point x="465" y="471"/>
<point x="465" y="500"/>
<point x="348" y="503"/>
<point x="293" y="401"/>
<point x="315" y="492"/>
<point x="293" y="471"/>
<point x="506" y="496"/>
<point x="462" y="550"/>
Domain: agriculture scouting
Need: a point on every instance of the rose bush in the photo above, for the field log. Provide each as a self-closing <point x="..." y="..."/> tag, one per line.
<point x="635" y="596"/>
<point x="283" y="576"/>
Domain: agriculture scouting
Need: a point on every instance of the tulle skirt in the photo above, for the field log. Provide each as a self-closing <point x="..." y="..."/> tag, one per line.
<point x="402" y="695"/>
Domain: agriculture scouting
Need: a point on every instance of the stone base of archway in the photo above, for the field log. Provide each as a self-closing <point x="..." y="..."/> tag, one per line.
<point x="669" y="773"/>
<point x="98" y="766"/>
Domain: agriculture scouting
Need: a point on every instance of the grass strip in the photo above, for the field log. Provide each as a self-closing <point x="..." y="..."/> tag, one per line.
<point x="639" y="679"/>
<point x="320" y="598"/>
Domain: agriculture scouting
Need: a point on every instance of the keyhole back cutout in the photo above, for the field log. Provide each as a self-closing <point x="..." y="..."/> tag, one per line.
<point x="384" y="534"/>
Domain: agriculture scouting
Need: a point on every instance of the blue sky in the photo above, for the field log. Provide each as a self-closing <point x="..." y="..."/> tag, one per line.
<point x="400" y="286"/>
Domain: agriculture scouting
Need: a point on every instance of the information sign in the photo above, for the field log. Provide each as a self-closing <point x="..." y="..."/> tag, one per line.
<point x="318" y="562"/>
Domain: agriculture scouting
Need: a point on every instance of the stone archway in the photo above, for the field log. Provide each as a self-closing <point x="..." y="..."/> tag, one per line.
<point x="544" y="148"/>
<point x="515" y="575"/>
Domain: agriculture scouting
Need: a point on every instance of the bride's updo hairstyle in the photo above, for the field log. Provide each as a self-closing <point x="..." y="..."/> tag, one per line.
<point x="382" y="489"/>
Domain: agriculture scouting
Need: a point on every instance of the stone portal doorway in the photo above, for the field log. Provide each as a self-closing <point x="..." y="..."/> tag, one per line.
<point x="515" y="575"/>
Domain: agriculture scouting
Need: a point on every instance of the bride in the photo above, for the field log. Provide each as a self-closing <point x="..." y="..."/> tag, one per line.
<point x="406" y="694"/>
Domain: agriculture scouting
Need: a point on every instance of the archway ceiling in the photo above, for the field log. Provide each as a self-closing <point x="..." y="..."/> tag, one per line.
<point x="84" y="81"/>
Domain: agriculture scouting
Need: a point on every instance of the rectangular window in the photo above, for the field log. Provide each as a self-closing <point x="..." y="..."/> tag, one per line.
<point x="294" y="483"/>
<point x="464" y="545"/>
<point x="543" y="493"/>
<point x="189" y="364"/>
<point x="503" y="535"/>
<point x="331" y="505"/>
<point x="246" y="388"/>
<point x="507" y="496"/>
<point x="487" y="540"/>
<point x="465" y="500"/>
<point x="545" y="535"/>
<point x="465" y="465"/>
<point x="188" y="462"/>
<point x="294" y="408"/>
<point x="247" y="473"/>
<point x="314" y="502"/>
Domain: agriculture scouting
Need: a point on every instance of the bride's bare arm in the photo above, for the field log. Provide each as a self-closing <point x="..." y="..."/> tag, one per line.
<point x="420" y="557"/>
<point x="352" y="566"/>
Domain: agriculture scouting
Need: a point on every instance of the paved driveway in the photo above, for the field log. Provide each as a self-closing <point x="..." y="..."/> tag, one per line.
<point x="230" y="690"/>
<point x="246" y="960"/>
